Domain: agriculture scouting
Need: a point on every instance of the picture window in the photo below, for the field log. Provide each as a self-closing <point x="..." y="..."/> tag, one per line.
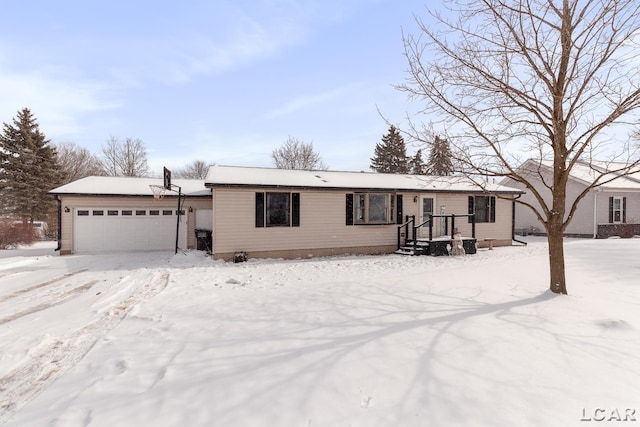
<point x="373" y="208"/>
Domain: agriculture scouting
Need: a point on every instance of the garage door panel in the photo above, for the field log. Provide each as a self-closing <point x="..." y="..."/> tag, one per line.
<point x="117" y="232"/>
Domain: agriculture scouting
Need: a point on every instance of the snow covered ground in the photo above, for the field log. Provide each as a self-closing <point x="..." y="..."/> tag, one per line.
<point x="153" y="339"/>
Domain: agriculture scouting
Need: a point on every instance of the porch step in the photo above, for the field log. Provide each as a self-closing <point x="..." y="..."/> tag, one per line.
<point x="421" y="248"/>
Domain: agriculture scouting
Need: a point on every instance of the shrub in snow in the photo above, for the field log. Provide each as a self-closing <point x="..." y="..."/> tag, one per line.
<point x="13" y="233"/>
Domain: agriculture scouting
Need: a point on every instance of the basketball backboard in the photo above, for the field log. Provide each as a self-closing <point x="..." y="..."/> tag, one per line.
<point x="167" y="178"/>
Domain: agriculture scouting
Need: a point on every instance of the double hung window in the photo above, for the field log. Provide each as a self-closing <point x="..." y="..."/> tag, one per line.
<point x="617" y="210"/>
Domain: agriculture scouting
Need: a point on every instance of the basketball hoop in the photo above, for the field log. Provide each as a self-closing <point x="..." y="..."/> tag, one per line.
<point x="158" y="192"/>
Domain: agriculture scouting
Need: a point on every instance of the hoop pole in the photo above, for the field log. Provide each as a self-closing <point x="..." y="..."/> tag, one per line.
<point x="178" y="216"/>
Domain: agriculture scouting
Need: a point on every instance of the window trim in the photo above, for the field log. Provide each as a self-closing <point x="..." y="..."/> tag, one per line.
<point x="622" y="210"/>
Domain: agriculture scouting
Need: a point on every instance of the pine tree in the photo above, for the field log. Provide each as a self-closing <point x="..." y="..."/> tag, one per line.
<point x="418" y="166"/>
<point x="390" y="155"/>
<point x="28" y="169"/>
<point x="440" y="159"/>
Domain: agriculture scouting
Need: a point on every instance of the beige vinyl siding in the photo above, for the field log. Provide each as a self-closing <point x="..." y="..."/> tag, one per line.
<point x="75" y="202"/>
<point x="323" y="225"/>
<point x="459" y="204"/>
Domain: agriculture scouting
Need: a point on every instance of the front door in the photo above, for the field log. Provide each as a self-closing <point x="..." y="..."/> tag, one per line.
<point x="426" y="209"/>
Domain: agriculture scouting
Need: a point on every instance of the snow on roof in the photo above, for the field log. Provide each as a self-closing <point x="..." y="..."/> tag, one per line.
<point x="128" y="186"/>
<point x="221" y="176"/>
<point x="587" y="173"/>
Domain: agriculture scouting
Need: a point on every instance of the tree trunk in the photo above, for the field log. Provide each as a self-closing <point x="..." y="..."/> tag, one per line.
<point x="557" y="280"/>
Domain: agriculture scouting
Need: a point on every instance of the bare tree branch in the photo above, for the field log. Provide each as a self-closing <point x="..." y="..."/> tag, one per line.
<point x="197" y="169"/>
<point x="77" y="162"/>
<point x="297" y="154"/>
<point x="124" y="158"/>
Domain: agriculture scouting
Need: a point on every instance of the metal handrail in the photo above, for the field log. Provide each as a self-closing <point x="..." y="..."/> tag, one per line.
<point x="415" y="233"/>
<point x="410" y="219"/>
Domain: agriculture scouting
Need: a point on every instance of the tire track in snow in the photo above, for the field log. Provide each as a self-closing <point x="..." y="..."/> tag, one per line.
<point x="48" y="363"/>
<point x="40" y="285"/>
<point x="61" y="299"/>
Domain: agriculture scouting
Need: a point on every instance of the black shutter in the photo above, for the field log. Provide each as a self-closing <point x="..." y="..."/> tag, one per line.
<point x="471" y="207"/>
<point x="610" y="210"/>
<point x="259" y="209"/>
<point x="492" y="207"/>
<point x="624" y="209"/>
<point x="349" y="209"/>
<point x="295" y="209"/>
<point x="399" y="209"/>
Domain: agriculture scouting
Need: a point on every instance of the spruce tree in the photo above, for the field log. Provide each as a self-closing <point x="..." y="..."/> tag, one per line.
<point x="440" y="159"/>
<point x="390" y="155"/>
<point x="28" y="169"/>
<point x="418" y="166"/>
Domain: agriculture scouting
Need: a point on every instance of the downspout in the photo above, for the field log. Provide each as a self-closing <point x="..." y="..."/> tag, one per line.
<point x="59" y="202"/>
<point x="595" y="210"/>
<point x="513" y="220"/>
<point x="179" y="212"/>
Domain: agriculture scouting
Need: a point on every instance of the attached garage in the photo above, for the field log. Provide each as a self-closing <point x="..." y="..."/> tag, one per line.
<point x="110" y="214"/>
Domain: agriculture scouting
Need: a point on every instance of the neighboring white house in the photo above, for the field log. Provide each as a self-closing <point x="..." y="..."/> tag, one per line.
<point x="296" y="213"/>
<point x="101" y="214"/>
<point x="612" y="209"/>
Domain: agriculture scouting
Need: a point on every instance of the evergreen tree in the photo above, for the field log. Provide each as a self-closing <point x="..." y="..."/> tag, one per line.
<point x="390" y="155"/>
<point x="440" y="162"/>
<point x="28" y="169"/>
<point x="418" y="167"/>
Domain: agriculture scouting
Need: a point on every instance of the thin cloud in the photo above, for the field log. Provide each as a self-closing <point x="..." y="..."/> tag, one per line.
<point x="55" y="99"/>
<point x="309" y="101"/>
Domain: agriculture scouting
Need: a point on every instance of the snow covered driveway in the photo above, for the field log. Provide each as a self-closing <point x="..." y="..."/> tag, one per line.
<point x="153" y="339"/>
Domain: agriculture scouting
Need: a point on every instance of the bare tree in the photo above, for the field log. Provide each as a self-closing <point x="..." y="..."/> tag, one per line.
<point x="194" y="170"/>
<point x="297" y="154"/>
<point x="124" y="158"/>
<point x="544" y="79"/>
<point x="77" y="162"/>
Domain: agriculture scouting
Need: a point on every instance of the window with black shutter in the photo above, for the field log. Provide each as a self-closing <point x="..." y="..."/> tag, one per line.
<point x="277" y="209"/>
<point x="373" y="208"/>
<point x="617" y="209"/>
<point x="484" y="208"/>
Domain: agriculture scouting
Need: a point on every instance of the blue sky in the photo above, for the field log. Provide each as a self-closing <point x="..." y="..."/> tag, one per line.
<point x="224" y="81"/>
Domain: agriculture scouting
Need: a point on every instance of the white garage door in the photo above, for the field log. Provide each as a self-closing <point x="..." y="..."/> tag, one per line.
<point x="127" y="229"/>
